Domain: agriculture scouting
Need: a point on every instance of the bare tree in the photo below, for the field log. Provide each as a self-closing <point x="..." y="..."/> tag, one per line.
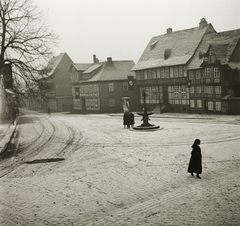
<point x="27" y="44"/>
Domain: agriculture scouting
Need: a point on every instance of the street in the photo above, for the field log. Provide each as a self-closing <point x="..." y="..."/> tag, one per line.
<point x="66" y="169"/>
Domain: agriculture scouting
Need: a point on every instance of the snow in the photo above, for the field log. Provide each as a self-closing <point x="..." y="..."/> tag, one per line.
<point x="116" y="176"/>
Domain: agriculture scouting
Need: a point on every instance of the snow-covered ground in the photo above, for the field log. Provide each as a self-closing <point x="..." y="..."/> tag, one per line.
<point x="115" y="176"/>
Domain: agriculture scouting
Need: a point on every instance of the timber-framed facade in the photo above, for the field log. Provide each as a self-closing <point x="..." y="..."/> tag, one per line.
<point x="189" y="71"/>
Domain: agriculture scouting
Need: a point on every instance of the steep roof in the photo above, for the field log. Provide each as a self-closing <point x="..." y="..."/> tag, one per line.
<point x="223" y="44"/>
<point x="54" y="62"/>
<point x="92" y="68"/>
<point x="174" y="48"/>
<point x="114" y="70"/>
<point x="221" y="51"/>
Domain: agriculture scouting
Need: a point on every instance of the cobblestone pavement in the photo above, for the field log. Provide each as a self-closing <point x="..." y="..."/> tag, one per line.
<point x="113" y="176"/>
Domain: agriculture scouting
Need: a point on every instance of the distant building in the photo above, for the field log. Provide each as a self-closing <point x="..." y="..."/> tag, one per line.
<point x="104" y="87"/>
<point x="177" y="77"/>
<point x="59" y="97"/>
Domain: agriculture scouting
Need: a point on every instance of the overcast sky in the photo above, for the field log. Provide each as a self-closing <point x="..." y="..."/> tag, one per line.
<point x="121" y="29"/>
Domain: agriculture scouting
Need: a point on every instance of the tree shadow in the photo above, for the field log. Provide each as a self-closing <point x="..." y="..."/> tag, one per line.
<point x="45" y="160"/>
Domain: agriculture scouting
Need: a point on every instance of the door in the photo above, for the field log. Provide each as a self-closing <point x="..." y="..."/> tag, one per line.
<point x="83" y="104"/>
<point x="165" y="94"/>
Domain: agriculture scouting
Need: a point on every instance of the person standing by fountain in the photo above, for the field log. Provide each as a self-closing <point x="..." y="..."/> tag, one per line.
<point x="131" y="119"/>
<point x="195" y="163"/>
<point x="126" y="120"/>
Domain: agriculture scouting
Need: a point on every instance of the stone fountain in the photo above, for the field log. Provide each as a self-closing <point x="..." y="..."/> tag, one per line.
<point x="145" y="118"/>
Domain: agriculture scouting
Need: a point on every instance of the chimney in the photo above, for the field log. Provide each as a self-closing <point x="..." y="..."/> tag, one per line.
<point x="169" y="31"/>
<point x="109" y="60"/>
<point x="203" y="23"/>
<point x="95" y="59"/>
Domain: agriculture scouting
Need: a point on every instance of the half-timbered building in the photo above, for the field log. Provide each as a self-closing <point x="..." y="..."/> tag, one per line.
<point x="212" y="71"/>
<point x="175" y="75"/>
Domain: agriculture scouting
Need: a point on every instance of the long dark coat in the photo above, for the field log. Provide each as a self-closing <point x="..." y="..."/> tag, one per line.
<point x="131" y="119"/>
<point x="126" y="119"/>
<point x="195" y="164"/>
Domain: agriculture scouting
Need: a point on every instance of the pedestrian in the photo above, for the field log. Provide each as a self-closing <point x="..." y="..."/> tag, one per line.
<point x="195" y="163"/>
<point x="125" y="119"/>
<point x="14" y="113"/>
<point x="131" y="119"/>
<point x="49" y="110"/>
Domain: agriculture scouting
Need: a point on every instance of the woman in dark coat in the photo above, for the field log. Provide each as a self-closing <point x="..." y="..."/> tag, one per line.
<point x="131" y="119"/>
<point x="125" y="119"/>
<point x="195" y="164"/>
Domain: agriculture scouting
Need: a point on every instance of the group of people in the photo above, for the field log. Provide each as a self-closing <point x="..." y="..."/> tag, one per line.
<point x="128" y="120"/>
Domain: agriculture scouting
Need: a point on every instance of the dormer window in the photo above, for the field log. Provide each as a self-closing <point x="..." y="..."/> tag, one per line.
<point x="167" y="53"/>
<point x="153" y="45"/>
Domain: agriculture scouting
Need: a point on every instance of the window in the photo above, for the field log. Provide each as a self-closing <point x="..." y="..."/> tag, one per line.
<point x="216" y="73"/>
<point x="95" y="88"/>
<point x="125" y="86"/>
<point x="154" y="73"/>
<point x="91" y="88"/>
<point x="162" y="73"/>
<point x="158" y="73"/>
<point x="218" y="106"/>
<point x="199" y="89"/>
<point x="149" y="74"/>
<point x="141" y="75"/>
<point x="111" y="102"/>
<point x="192" y="104"/>
<point x="180" y="71"/>
<point x="199" y="104"/>
<point x="209" y="89"/>
<point x="204" y="89"/>
<point x="175" y="90"/>
<point x="198" y="74"/>
<point x="77" y="104"/>
<point x="167" y="72"/>
<point x="192" y="90"/>
<point x="190" y="75"/>
<point x="184" y="92"/>
<point x="110" y="87"/>
<point x="74" y="77"/>
<point x="218" y="89"/>
<point x="176" y="72"/>
<point x="210" y="106"/>
<point x="137" y="75"/>
<point x="208" y="72"/>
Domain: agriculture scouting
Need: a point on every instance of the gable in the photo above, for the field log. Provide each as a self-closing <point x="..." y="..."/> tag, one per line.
<point x="62" y="60"/>
<point x="224" y="44"/>
<point x="235" y="56"/>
